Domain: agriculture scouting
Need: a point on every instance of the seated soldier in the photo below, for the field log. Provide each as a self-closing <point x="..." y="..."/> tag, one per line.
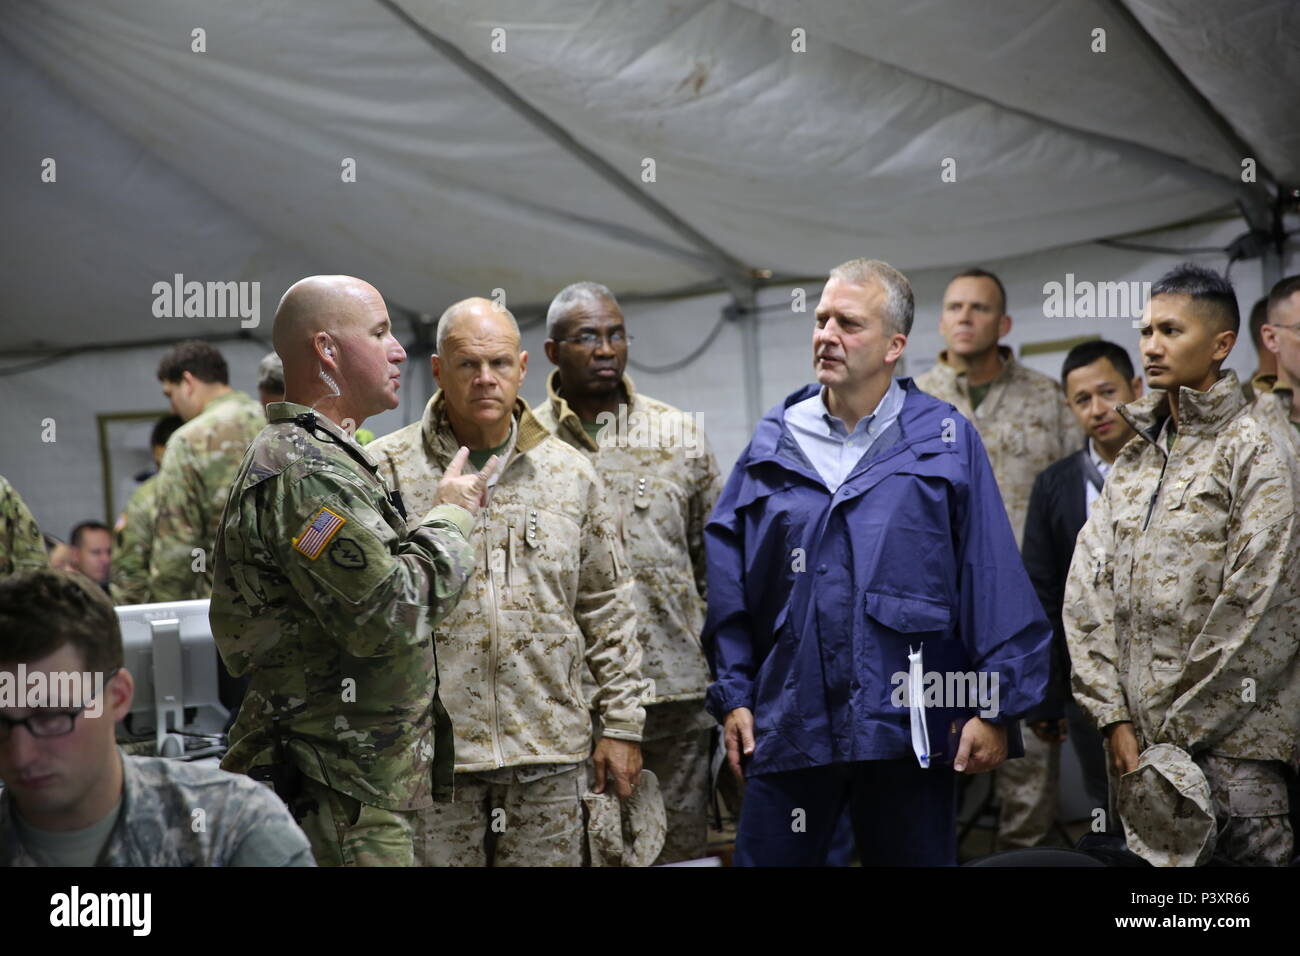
<point x="71" y="797"/>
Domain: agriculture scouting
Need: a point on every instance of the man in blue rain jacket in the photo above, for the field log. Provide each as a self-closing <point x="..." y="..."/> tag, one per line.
<point x="863" y="522"/>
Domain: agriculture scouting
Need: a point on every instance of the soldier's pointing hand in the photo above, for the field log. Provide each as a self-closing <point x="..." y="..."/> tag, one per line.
<point x="468" y="491"/>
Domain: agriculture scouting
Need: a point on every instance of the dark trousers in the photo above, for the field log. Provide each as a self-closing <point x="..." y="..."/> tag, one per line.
<point x="902" y="815"/>
<point x="1091" y="749"/>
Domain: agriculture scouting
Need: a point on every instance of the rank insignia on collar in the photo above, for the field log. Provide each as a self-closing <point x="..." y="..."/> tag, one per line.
<point x="322" y="527"/>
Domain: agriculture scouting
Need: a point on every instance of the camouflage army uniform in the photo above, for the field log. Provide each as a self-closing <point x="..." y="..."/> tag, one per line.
<point x="1182" y="608"/>
<point x="1272" y="405"/>
<point x="325" y="598"/>
<point x="549" y="592"/>
<point x="1026" y="426"/>
<point x="134" y="544"/>
<point x="664" y="494"/>
<point x="21" y="546"/>
<point x="158" y="826"/>
<point x="197" y="470"/>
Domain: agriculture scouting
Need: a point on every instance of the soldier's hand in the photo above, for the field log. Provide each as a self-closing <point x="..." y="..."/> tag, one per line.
<point x="1123" y="747"/>
<point x="468" y="491"/>
<point x="620" y="759"/>
<point x="983" y="746"/>
<point x="738" y="731"/>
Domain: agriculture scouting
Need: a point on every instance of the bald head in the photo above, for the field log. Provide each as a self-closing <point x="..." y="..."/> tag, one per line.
<point x="320" y="304"/>
<point x="474" y="313"/>
<point x="479" y="368"/>
<point x="334" y="336"/>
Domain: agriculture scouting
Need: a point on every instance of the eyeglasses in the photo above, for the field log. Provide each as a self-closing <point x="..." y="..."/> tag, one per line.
<point x="50" y="723"/>
<point x="589" y="339"/>
<point x="1289" y="328"/>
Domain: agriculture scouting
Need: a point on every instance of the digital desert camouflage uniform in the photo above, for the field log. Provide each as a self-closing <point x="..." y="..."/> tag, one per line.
<point x="325" y="598"/>
<point x="1182" y="608"/>
<point x="1026" y="426"/>
<point x="662" y="476"/>
<point x="158" y="825"/>
<point x="21" y="546"/>
<point x="1272" y="405"/>
<point x="134" y="544"/>
<point x="550" y="598"/>
<point x="200" y="463"/>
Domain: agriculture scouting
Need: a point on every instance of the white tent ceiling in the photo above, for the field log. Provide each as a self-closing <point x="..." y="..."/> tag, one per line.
<point x="522" y="169"/>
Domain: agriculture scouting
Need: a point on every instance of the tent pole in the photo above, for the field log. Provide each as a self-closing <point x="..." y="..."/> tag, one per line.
<point x="1270" y="267"/>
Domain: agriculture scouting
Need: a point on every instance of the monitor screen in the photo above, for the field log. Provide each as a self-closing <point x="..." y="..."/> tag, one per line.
<point x="169" y="650"/>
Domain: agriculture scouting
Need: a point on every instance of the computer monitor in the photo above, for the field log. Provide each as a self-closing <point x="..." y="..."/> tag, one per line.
<point x="168" y="649"/>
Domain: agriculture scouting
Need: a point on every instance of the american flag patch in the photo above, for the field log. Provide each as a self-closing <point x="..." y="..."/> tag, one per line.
<point x="318" y="533"/>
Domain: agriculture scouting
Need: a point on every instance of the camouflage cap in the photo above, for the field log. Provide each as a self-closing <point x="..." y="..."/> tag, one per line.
<point x="630" y="833"/>
<point x="1167" y="809"/>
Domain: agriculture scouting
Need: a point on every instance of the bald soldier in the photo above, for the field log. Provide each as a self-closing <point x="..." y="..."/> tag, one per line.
<point x="550" y="598"/>
<point x="327" y="600"/>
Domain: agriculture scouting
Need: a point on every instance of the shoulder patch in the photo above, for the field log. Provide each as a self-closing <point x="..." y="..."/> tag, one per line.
<point x="346" y="553"/>
<point x="322" y="527"/>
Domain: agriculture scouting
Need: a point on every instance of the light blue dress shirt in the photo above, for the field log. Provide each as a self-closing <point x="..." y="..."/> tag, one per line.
<point x="828" y="444"/>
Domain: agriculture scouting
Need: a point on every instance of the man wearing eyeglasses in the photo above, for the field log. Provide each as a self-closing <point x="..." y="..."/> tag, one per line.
<point x="71" y="797"/>
<point x="663" y="481"/>
<point x="1278" y="396"/>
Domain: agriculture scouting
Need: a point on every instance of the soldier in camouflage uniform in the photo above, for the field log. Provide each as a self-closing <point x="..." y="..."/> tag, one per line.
<point x="550" y="598"/>
<point x="64" y="773"/>
<point x="1026" y="426"/>
<point x="661" y="475"/>
<point x="1277" y="397"/>
<point x="133" y="532"/>
<point x="197" y="468"/>
<point x="326" y="599"/>
<point x="1181" y="608"/>
<point x="21" y="545"/>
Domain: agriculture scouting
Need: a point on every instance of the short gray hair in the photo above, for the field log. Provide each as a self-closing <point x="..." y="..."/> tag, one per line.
<point x="900" y="305"/>
<point x="571" y="296"/>
<point x="270" y="373"/>
<point x="448" y="319"/>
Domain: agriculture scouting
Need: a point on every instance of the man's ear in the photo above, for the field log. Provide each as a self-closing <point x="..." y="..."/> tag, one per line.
<point x="327" y="350"/>
<point x="897" y="343"/>
<point x="1268" y="335"/>
<point x="552" y="351"/>
<point x="523" y="366"/>
<point x="1223" y="343"/>
<point x="121" y="691"/>
<point x="1137" y="386"/>
<point x="436" y="367"/>
<point x="1004" y="326"/>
